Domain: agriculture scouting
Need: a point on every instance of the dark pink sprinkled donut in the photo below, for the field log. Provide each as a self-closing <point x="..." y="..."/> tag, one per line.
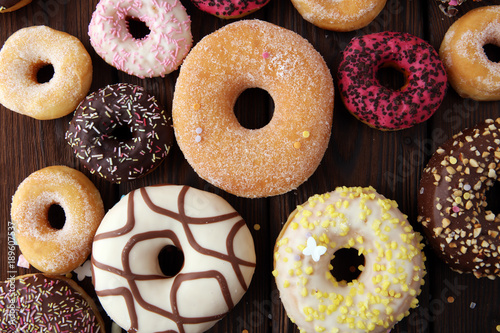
<point x="229" y="8"/>
<point x="382" y="107"/>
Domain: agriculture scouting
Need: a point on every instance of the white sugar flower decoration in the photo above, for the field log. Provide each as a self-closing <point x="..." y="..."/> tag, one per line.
<point x="314" y="250"/>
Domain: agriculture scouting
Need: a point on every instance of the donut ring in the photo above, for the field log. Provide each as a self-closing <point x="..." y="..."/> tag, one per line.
<point x="378" y="106"/>
<point x="229" y="9"/>
<point x="213" y="278"/>
<point x="470" y="72"/>
<point x="339" y="15"/>
<point x="47" y="303"/>
<point x="158" y="53"/>
<point x="253" y="162"/>
<point x="28" y="50"/>
<point x="120" y="132"/>
<point x="7" y="6"/>
<point x="391" y="277"/>
<point x="452" y="200"/>
<point x="48" y="249"/>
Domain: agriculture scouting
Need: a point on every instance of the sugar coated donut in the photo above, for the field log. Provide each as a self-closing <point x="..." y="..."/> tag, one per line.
<point x="339" y="15"/>
<point x="12" y="5"/>
<point x="218" y="252"/>
<point x="348" y="218"/>
<point x="120" y="132"/>
<point x="47" y="248"/>
<point x="47" y="303"/>
<point x="253" y="162"/>
<point x="157" y="51"/>
<point x="230" y="9"/>
<point x="470" y="72"/>
<point x="452" y="202"/>
<point x="29" y="50"/>
<point x="382" y="107"/>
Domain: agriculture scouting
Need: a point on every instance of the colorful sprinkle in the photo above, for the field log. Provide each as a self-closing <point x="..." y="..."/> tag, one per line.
<point x="306" y="134"/>
<point x="196" y="106"/>
<point x="297" y="145"/>
<point x="265" y="55"/>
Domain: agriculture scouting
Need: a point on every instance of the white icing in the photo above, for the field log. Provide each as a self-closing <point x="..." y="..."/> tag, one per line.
<point x="195" y="298"/>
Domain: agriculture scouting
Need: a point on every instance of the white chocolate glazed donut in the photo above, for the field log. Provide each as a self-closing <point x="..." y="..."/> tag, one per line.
<point x="470" y="72"/>
<point x="357" y="218"/>
<point x="219" y="260"/>
<point x="158" y="53"/>
<point x="28" y="50"/>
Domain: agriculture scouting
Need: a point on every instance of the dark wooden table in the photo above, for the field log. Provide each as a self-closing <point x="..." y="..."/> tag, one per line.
<point x="392" y="162"/>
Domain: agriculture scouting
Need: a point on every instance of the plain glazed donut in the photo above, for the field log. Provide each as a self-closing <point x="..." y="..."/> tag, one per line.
<point x="219" y="260"/>
<point x="253" y="162"/>
<point x="47" y="303"/>
<point x="22" y="56"/>
<point x="390" y="278"/>
<point x="452" y="201"/>
<point x="470" y="72"/>
<point x="158" y="53"/>
<point x="12" y="5"/>
<point x="230" y="9"/>
<point x="381" y="107"/>
<point x="339" y="15"/>
<point x="48" y="249"/>
<point x="120" y="132"/>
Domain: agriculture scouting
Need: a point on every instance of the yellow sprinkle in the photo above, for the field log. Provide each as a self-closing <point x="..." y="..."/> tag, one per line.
<point x="450" y="299"/>
<point x="256" y="226"/>
<point x="309" y="270"/>
<point x="286" y="284"/>
<point x="360" y="239"/>
<point x="319" y="329"/>
<point x="306" y="134"/>
<point x="304" y="292"/>
<point x="498" y="328"/>
<point x="294" y="225"/>
<point x="196" y="106"/>
<point x="275" y="273"/>
<point x="296" y="145"/>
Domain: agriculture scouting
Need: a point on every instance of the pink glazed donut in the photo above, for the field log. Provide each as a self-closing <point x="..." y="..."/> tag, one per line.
<point x="229" y="9"/>
<point x="382" y="107"/>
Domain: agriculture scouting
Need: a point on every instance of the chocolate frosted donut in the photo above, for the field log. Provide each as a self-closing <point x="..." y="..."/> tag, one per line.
<point x="120" y="132"/>
<point x="12" y="5"/>
<point x="47" y="303"/>
<point x="218" y="265"/>
<point x="452" y="204"/>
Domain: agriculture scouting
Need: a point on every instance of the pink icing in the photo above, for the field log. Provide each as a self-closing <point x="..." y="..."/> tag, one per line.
<point x="382" y="107"/>
<point x="229" y="8"/>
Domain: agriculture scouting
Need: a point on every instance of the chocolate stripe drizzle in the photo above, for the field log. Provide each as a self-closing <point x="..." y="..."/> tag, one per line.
<point x="129" y="295"/>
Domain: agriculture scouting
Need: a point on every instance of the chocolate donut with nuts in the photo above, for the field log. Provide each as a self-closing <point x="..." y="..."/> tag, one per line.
<point x="452" y="202"/>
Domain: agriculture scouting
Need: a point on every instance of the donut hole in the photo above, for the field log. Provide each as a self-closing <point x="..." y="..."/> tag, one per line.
<point x="56" y="216"/>
<point x="391" y="77"/>
<point x="248" y="102"/>
<point x="122" y="133"/>
<point x="493" y="198"/>
<point x="171" y="260"/>
<point x="492" y="51"/>
<point x="346" y="264"/>
<point x="44" y="73"/>
<point x="137" y="28"/>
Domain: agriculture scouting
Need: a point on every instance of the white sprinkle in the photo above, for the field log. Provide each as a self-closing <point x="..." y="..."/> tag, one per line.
<point x="472" y="305"/>
<point x="199" y="130"/>
<point x="198" y="138"/>
<point x="467" y="187"/>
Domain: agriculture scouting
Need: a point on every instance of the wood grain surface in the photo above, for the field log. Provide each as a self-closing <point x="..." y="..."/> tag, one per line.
<point x="357" y="155"/>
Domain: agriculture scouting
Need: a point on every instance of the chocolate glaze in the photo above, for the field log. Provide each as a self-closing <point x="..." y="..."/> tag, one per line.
<point x="452" y="200"/>
<point x="229" y="8"/>
<point x="120" y="132"/>
<point x="129" y="295"/>
<point x="45" y="304"/>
